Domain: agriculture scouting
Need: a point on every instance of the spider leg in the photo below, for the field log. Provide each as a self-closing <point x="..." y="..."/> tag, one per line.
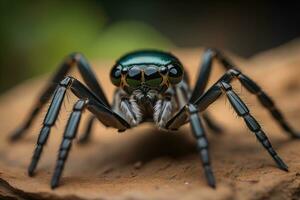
<point x="69" y="135"/>
<point x="203" y="77"/>
<point x="202" y="142"/>
<point x="101" y="111"/>
<point x="181" y="117"/>
<point x="198" y="131"/>
<point x="242" y="111"/>
<point x="75" y="59"/>
<point x="204" y="74"/>
<point x="266" y="102"/>
<point x="210" y="96"/>
<point x="249" y="84"/>
<point x="183" y="93"/>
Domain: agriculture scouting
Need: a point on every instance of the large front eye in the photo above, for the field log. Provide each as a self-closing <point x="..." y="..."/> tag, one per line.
<point x="134" y="77"/>
<point x="115" y="75"/>
<point x="152" y="77"/>
<point x="175" y="73"/>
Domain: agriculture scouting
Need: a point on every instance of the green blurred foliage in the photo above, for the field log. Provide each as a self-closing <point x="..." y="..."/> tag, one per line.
<point x="125" y="36"/>
<point x="37" y="35"/>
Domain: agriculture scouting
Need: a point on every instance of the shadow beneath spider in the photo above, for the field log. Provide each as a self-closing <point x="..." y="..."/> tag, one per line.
<point x="159" y="144"/>
<point x="149" y="145"/>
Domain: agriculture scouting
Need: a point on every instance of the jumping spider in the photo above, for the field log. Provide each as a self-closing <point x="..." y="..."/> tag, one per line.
<point x="151" y="86"/>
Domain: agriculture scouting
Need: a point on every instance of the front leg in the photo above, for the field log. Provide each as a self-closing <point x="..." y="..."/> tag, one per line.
<point x="183" y="95"/>
<point x="233" y="72"/>
<point x="89" y="78"/>
<point x="202" y="143"/>
<point x="124" y="106"/>
<point x="101" y="111"/>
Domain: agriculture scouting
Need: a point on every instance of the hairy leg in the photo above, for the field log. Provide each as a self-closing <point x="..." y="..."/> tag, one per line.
<point x="249" y="84"/>
<point x="75" y="59"/>
<point x="101" y="111"/>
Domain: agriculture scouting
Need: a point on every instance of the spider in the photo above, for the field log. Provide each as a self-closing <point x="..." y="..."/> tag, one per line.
<point x="152" y="86"/>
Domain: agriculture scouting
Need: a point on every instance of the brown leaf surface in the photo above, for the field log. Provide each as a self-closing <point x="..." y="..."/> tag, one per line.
<point x="144" y="163"/>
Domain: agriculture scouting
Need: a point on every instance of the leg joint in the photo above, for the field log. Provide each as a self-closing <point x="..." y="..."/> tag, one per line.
<point x="79" y="105"/>
<point x="191" y="109"/>
<point x="75" y="57"/>
<point x="202" y="143"/>
<point x="252" y="123"/>
<point x="234" y="72"/>
<point x="212" y="52"/>
<point x="66" y="82"/>
<point x="225" y="86"/>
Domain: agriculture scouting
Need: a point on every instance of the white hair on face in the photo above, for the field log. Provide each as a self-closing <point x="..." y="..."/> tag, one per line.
<point x="152" y="94"/>
<point x="138" y="94"/>
<point x="157" y="109"/>
<point x="131" y="112"/>
<point x="162" y="112"/>
<point x="136" y="110"/>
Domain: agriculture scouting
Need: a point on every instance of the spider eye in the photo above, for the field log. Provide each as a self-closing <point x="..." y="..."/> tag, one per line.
<point x="175" y="73"/>
<point x="115" y="75"/>
<point x="134" y="77"/>
<point x="152" y="76"/>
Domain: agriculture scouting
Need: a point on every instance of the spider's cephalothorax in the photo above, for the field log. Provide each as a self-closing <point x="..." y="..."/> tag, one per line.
<point x="146" y="81"/>
<point x="151" y="86"/>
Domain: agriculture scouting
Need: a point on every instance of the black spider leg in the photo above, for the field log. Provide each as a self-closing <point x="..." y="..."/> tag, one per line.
<point x="249" y="84"/>
<point x="211" y="95"/>
<point x="202" y="142"/>
<point x="94" y="105"/>
<point x="205" y="71"/>
<point x="69" y="135"/>
<point x="242" y="111"/>
<point x="75" y="59"/>
<point x="202" y="80"/>
<point x="266" y="102"/>
<point x="183" y="93"/>
<point x="87" y="133"/>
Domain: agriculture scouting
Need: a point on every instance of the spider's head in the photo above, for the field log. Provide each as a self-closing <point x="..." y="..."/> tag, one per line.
<point x="146" y="72"/>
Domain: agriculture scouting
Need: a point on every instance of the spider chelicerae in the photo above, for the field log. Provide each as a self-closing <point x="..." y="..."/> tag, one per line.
<point x="151" y="86"/>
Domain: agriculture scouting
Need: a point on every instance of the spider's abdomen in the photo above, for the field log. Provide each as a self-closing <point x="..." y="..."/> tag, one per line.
<point x="152" y="57"/>
<point x="153" y="69"/>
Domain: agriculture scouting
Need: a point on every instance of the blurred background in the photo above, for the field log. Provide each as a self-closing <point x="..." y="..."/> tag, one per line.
<point x="36" y="35"/>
